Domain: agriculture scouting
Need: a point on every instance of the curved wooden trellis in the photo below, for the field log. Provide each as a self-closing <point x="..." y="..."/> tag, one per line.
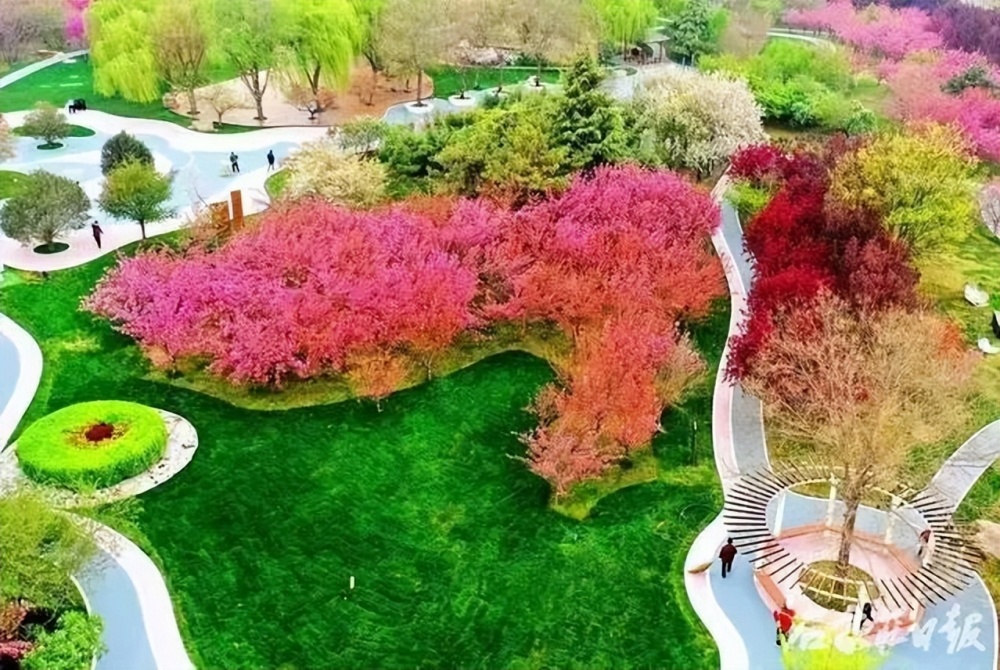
<point x="954" y="563"/>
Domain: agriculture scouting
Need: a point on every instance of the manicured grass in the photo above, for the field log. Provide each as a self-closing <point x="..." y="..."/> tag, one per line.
<point x="58" y="84"/>
<point x="275" y="184"/>
<point x="74" y="131"/>
<point x="448" y="80"/>
<point x="11" y="183"/>
<point x="56" y="450"/>
<point x="458" y="559"/>
<point x="943" y="278"/>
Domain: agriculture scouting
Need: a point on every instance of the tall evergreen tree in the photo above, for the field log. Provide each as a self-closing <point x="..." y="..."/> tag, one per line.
<point x="589" y="124"/>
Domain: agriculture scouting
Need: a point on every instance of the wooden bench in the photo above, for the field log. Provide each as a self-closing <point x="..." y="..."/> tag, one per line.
<point x="774" y="595"/>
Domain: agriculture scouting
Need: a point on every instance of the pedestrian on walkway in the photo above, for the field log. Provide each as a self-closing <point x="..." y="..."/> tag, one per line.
<point x="96" y="230"/>
<point x="783" y="619"/>
<point x="727" y="554"/>
<point x="866" y="615"/>
<point x="270" y="160"/>
<point x="234" y="161"/>
<point x="925" y="540"/>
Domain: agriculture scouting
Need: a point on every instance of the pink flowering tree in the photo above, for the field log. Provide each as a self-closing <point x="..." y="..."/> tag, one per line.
<point x="618" y="262"/>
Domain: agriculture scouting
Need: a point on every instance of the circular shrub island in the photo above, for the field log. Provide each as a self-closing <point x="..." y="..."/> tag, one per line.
<point x="830" y="587"/>
<point x="92" y="445"/>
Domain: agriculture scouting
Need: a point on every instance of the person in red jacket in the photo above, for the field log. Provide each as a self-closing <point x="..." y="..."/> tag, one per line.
<point x="783" y="619"/>
<point x="727" y="554"/>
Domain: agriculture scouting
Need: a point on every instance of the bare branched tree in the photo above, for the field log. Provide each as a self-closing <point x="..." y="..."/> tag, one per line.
<point x="861" y="391"/>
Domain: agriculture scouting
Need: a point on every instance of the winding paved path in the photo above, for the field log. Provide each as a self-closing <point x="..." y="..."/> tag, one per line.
<point x="732" y="610"/>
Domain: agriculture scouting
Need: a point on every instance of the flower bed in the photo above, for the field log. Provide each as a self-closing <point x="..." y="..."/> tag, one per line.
<point x="92" y="444"/>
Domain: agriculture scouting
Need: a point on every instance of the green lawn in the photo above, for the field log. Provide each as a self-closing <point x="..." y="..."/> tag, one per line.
<point x="459" y="560"/>
<point x="976" y="259"/>
<point x="448" y="80"/>
<point x="11" y="183"/>
<point x="58" y="84"/>
<point x="275" y="184"/>
<point x="74" y="131"/>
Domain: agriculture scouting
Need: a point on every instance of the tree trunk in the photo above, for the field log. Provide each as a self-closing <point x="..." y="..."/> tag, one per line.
<point x="371" y="92"/>
<point x="851" y="504"/>
<point x="142" y="227"/>
<point x="538" y="73"/>
<point x="420" y="87"/>
<point x="258" y="99"/>
<point x="192" y="102"/>
<point x="314" y="79"/>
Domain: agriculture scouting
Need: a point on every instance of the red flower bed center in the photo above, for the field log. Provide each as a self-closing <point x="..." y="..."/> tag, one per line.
<point x="99" y="432"/>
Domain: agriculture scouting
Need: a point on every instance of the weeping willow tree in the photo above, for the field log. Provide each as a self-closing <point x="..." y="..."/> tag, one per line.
<point x="321" y="41"/>
<point x="121" y="50"/>
<point x="624" y="22"/>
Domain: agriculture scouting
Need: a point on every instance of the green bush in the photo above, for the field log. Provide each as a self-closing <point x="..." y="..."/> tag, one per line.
<point x="71" y="646"/>
<point x="55" y="450"/>
<point x="747" y="199"/>
<point x="121" y="149"/>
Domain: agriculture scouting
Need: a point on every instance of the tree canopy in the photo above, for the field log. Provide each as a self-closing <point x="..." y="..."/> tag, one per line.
<point x="122" y="51"/>
<point x="135" y="191"/>
<point x="624" y="22"/>
<point x="920" y="182"/>
<point x="47" y="206"/>
<point x="122" y="148"/>
<point x="40" y="549"/>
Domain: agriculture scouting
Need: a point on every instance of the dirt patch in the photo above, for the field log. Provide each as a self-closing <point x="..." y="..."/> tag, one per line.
<point x="351" y="103"/>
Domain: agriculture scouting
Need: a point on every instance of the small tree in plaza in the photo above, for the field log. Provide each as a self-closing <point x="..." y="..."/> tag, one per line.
<point x="223" y="99"/>
<point x="183" y="31"/>
<point x="122" y="148"/>
<point x="46" y="123"/>
<point x="251" y="40"/>
<point x="135" y="191"/>
<point x="47" y="206"/>
<point x="860" y="390"/>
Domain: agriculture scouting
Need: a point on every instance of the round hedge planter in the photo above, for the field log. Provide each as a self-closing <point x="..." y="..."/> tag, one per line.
<point x="92" y="445"/>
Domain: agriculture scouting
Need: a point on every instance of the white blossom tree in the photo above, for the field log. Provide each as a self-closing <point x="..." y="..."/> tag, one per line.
<point x="323" y="169"/>
<point x="696" y="121"/>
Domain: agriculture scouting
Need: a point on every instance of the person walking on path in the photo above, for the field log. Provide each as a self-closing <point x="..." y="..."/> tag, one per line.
<point x="234" y="161"/>
<point x="270" y="160"/>
<point x="96" y="230"/>
<point x="727" y="554"/>
<point x="783" y="619"/>
<point x="866" y="615"/>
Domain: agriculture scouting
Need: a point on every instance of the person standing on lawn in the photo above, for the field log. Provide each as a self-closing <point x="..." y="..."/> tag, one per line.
<point x="727" y="554"/>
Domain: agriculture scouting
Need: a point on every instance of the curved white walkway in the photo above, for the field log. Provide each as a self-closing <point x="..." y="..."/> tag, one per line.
<point x="732" y="610"/>
<point x="182" y="443"/>
<point x="123" y="586"/>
